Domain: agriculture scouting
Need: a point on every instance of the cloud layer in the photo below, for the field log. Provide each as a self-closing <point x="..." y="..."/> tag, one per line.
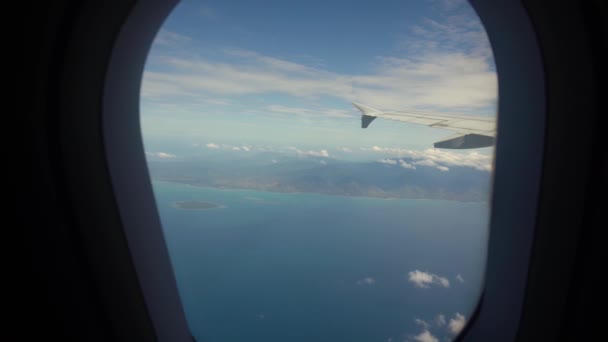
<point x="310" y="153"/>
<point x="442" y="64"/>
<point x="411" y="159"/>
<point x="437" y="158"/>
<point x="440" y="81"/>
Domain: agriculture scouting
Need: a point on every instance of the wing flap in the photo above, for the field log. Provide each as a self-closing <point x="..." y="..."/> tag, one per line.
<point x="464" y="141"/>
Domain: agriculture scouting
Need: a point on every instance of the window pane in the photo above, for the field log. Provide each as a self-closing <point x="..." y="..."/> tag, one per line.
<point x="288" y="221"/>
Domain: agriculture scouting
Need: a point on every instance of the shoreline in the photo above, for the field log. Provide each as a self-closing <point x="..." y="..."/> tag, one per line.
<point x="309" y="193"/>
<point x="208" y="205"/>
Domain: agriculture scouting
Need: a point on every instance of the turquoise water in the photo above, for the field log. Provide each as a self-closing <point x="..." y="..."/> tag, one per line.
<point x="289" y="267"/>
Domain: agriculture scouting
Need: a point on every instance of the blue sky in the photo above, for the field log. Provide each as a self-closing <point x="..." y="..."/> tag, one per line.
<point x="284" y="74"/>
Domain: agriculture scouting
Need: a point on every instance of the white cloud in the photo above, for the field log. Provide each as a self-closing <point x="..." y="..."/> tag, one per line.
<point x="459" y="278"/>
<point x="439" y="159"/>
<point x="454" y="32"/>
<point x="274" y="161"/>
<point x="245" y="148"/>
<point x="425" y="279"/>
<point x="422" y="323"/>
<point x="165" y="155"/>
<point x="321" y="153"/>
<point x="344" y="149"/>
<point x="330" y="112"/>
<point x="323" y="162"/>
<point x="405" y="165"/>
<point x="169" y="38"/>
<point x="420" y="279"/>
<point x="440" y="320"/>
<point x="425" y="336"/>
<point x="456" y="324"/>
<point x="162" y="155"/>
<point x="366" y="281"/>
<point x="425" y="162"/>
<point x="388" y="161"/>
<point x="212" y="145"/>
<point x="443" y="281"/>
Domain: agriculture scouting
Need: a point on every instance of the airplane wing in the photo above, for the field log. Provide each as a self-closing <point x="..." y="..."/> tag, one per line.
<point x="471" y="131"/>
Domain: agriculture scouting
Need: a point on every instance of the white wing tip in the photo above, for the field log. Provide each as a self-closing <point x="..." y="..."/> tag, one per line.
<point x="365" y="109"/>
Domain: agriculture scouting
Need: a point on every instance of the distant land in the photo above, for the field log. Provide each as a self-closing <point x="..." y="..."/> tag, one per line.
<point x="328" y="176"/>
<point x="195" y="205"/>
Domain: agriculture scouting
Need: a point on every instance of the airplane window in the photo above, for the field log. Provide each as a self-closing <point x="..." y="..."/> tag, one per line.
<point x="323" y="170"/>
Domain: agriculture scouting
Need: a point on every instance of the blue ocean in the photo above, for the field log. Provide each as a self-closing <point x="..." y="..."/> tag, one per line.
<point x="307" y="267"/>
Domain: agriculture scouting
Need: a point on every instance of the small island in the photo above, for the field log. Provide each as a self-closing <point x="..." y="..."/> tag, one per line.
<point x="195" y="205"/>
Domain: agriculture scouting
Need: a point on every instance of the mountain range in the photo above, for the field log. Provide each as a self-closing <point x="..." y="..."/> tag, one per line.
<point x="328" y="176"/>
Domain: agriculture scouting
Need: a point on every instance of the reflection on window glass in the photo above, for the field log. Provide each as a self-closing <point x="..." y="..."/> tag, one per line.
<point x="285" y="219"/>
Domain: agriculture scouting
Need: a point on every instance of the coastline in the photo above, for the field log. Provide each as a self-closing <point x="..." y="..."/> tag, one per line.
<point x="185" y="183"/>
<point x="202" y="205"/>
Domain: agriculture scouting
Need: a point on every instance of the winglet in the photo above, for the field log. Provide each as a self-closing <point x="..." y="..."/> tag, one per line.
<point x="369" y="114"/>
